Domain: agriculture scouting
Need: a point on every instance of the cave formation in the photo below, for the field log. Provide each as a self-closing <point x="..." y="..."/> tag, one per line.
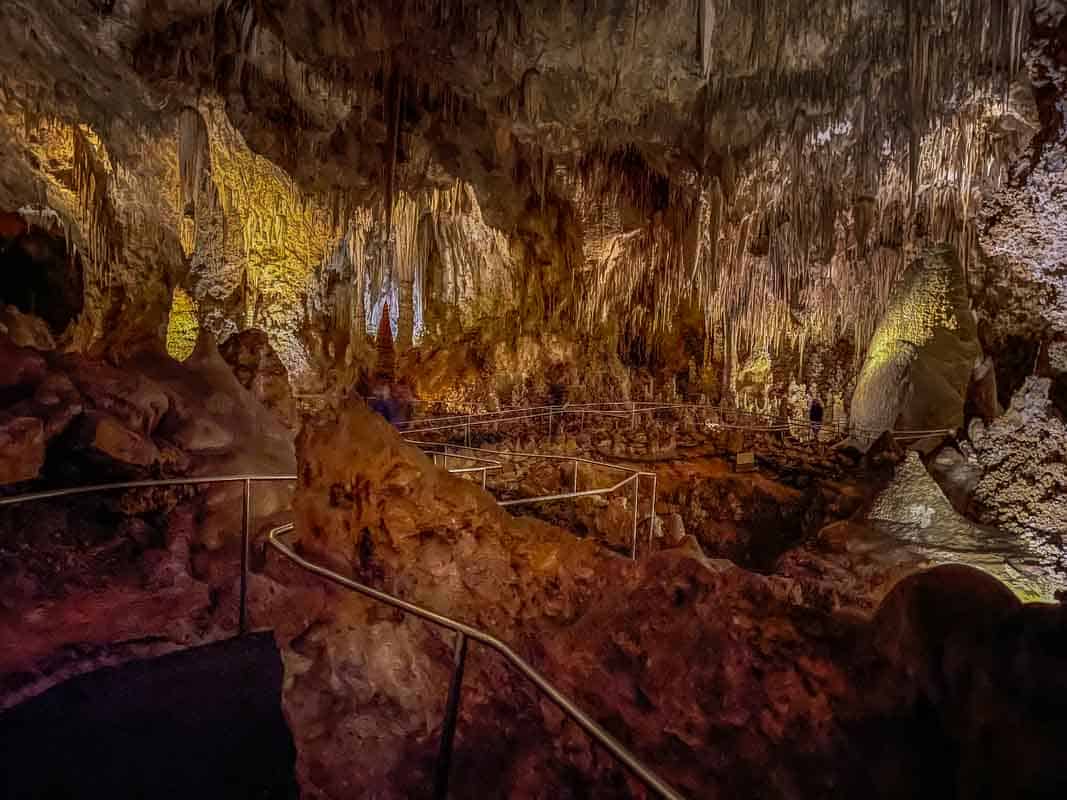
<point x="710" y="354"/>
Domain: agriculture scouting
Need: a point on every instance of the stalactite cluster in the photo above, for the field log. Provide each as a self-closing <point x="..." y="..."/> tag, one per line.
<point x="770" y="168"/>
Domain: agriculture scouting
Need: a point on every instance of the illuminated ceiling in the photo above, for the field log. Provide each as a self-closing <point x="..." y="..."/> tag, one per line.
<point x="627" y="164"/>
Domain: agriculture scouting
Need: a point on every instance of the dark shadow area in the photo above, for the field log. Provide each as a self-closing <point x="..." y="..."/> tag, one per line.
<point x="38" y="275"/>
<point x="202" y="723"/>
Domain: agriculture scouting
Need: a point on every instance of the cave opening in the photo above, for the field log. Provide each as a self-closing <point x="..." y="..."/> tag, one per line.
<point x="39" y="273"/>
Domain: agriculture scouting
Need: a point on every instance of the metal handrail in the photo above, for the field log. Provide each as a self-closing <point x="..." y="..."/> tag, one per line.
<point x="463" y="633"/>
<point x="246" y="506"/>
<point x="246" y="512"/>
<point x="634" y="408"/>
<point x="634" y="475"/>
<point x="486" y="467"/>
<point x="145" y="484"/>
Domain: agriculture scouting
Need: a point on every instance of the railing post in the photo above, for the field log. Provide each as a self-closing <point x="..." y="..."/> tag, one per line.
<point x="483" y="477"/>
<point x="633" y="547"/>
<point x="468" y="440"/>
<point x="443" y="765"/>
<point x="633" y="415"/>
<point x="550" y="424"/>
<point x="246" y="543"/>
<point x="575" y="476"/>
<point x="652" y="512"/>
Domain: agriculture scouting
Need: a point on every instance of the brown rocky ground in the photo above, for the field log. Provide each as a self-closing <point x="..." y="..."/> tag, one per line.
<point x="725" y="680"/>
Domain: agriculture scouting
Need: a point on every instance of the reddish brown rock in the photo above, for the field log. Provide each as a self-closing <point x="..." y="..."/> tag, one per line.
<point x="992" y="668"/>
<point x="22" y="443"/>
<point x="203" y="435"/>
<point x="106" y="436"/>
<point x="717" y="677"/>
<point x="135" y="400"/>
<point x="849" y="566"/>
<point x="12" y="225"/>
<point x="26" y="330"/>
<point x="20" y="366"/>
<point x="57" y="402"/>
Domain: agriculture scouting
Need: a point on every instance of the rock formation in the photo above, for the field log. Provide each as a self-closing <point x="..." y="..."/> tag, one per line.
<point x="920" y="360"/>
<point x="780" y="698"/>
<point x="258" y="368"/>
<point x="104" y="577"/>
<point x="914" y="509"/>
<point x="674" y="183"/>
<point x="1022" y="465"/>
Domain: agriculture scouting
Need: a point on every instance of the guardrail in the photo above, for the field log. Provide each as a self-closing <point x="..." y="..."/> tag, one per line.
<point x="464" y="632"/>
<point x="486" y="464"/>
<point x="246" y="512"/>
<point x="633" y="476"/>
<point x="735" y="419"/>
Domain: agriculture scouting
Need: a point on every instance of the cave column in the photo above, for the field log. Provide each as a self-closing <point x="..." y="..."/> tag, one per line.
<point x="405" y="328"/>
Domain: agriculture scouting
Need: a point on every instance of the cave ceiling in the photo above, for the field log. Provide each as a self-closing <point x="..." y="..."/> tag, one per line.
<point x="768" y="167"/>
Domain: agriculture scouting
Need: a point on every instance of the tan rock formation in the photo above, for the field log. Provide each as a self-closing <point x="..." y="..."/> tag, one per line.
<point x="259" y="370"/>
<point x="22" y="443"/>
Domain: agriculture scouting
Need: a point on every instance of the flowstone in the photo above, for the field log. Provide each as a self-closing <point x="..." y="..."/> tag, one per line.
<point x="914" y="510"/>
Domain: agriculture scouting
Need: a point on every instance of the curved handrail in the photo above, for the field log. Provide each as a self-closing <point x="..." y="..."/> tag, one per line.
<point x="587" y="723"/>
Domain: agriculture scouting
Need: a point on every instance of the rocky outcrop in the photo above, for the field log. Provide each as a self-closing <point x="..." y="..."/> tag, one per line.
<point x="957" y="471"/>
<point x="259" y="370"/>
<point x="26" y="330"/>
<point x="488" y="368"/>
<point x="850" y="567"/>
<point x="1018" y="284"/>
<point x="21" y="449"/>
<point x="101" y="578"/>
<point x="106" y="437"/>
<point x="984" y="663"/>
<point x="1023" y="455"/>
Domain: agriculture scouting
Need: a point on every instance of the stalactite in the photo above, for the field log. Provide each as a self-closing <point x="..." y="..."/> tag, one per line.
<point x="193" y="162"/>
<point x="385" y="367"/>
<point x="101" y="232"/>
<point x="706" y="33"/>
<point x="405" y="227"/>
